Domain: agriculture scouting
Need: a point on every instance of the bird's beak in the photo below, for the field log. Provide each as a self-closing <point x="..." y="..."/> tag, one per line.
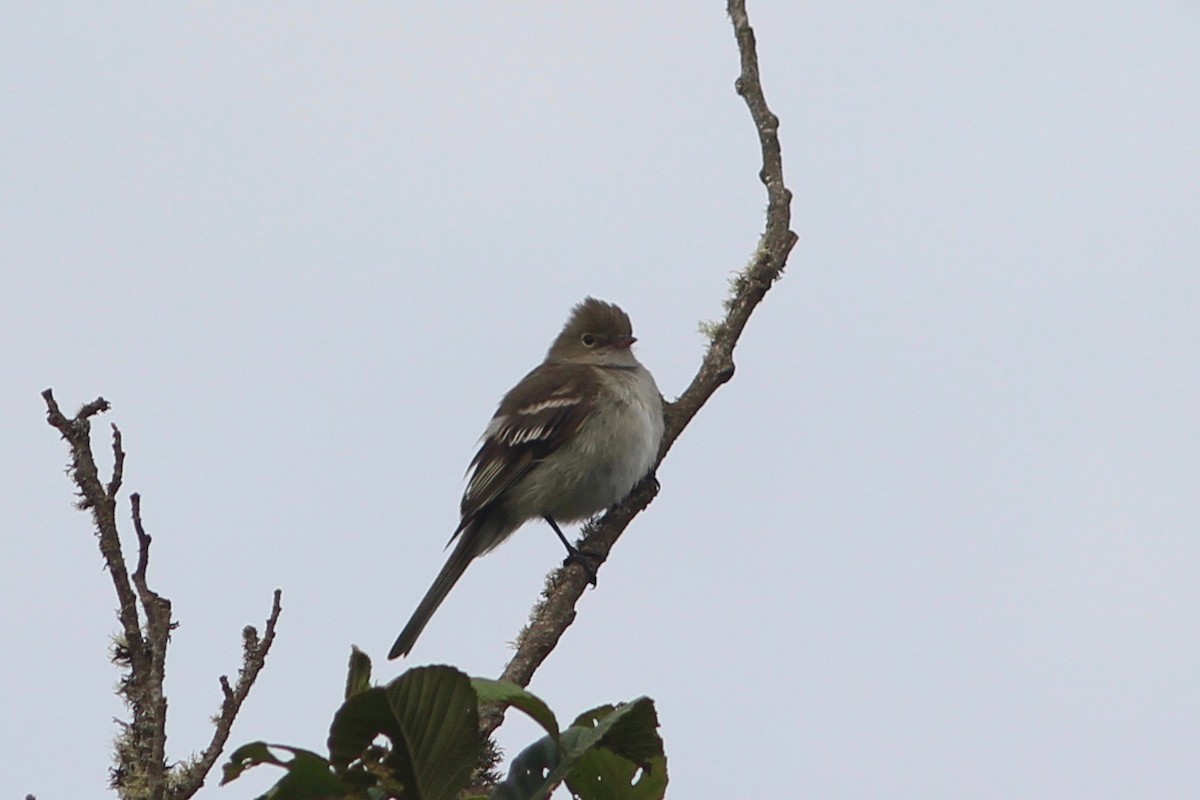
<point x="625" y="341"/>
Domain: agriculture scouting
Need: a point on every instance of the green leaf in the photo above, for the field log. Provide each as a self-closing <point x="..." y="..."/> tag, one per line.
<point x="308" y="776"/>
<point x="358" y="676"/>
<point x="508" y="693"/>
<point x="601" y="774"/>
<point x="361" y="719"/>
<point x="245" y="757"/>
<point x="607" y="748"/>
<point x="528" y="772"/>
<point x="625" y="758"/>
<point x="632" y="733"/>
<point x="437" y="711"/>
<point x="430" y="717"/>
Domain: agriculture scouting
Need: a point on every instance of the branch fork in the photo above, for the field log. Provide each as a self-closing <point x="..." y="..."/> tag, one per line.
<point x="140" y="649"/>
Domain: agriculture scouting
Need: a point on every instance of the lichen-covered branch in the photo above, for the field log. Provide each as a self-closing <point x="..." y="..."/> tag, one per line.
<point x="103" y="504"/>
<point x="190" y="777"/>
<point x="556" y="610"/>
<point x="149" y="735"/>
<point x="141" y="769"/>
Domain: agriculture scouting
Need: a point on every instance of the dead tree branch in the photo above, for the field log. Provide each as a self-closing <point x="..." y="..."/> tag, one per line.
<point x="191" y="776"/>
<point x="556" y="611"/>
<point x="141" y="770"/>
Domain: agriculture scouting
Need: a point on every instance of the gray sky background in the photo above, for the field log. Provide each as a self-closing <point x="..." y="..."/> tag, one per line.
<point x="937" y="539"/>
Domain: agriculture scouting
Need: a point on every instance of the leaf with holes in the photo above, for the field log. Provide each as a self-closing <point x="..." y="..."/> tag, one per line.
<point x="611" y="753"/>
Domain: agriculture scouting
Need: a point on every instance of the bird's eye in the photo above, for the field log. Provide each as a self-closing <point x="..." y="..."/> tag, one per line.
<point x="588" y="340"/>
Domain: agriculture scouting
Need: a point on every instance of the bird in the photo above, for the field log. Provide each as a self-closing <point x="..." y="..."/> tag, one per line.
<point x="572" y="438"/>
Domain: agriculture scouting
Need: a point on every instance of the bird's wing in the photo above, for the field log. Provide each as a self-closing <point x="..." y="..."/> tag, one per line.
<point x="534" y="419"/>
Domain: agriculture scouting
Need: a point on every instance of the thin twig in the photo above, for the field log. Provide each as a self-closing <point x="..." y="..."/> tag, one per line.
<point x="556" y="611"/>
<point x="118" y="473"/>
<point x="190" y="777"/>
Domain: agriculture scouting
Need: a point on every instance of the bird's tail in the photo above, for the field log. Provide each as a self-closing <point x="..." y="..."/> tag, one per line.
<point x="456" y="564"/>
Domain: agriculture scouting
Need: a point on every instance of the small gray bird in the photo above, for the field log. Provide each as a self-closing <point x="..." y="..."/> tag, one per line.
<point x="571" y="439"/>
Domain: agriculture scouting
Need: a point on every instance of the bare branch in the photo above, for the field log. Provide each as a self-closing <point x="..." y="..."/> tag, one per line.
<point x="190" y="777"/>
<point x="141" y="769"/>
<point x="118" y="473"/>
<point x="150" y="730"/>
<point x="140" y="766"/>
<point x="556" y="611"/>
<point x="93" y="495"/>
<point x="144" y="540"/>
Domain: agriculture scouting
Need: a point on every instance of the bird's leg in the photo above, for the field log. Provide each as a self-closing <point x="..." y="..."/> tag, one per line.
<point x="573" y="554"/>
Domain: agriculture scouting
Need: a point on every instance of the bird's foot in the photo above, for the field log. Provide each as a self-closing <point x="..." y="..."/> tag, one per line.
<point x="586" y="562"/>
<point x="574" y="556"/>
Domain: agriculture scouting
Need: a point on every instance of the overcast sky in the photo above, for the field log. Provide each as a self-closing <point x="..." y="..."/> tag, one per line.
<point x="937" y="538"/>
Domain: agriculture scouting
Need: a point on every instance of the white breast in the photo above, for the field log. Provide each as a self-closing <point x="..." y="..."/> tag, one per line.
<point x="614" y="449"/>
